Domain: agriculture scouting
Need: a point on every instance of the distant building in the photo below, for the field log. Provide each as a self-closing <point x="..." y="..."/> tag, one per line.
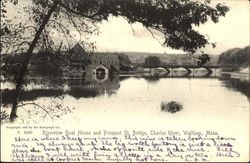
<point x="101" y="60"/>
<point x="98" y="64"/>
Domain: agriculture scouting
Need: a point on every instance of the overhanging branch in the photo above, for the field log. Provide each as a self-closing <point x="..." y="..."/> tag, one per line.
<point x="91" y="17"/>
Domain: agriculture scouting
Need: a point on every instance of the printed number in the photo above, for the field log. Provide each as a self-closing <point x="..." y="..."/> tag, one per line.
<point x="28" y="132"/>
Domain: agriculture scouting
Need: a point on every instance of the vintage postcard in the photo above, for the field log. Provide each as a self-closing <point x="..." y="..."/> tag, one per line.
<point x="125" y="80"/>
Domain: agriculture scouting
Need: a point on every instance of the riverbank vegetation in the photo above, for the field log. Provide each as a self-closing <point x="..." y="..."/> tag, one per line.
<point x="235" y="56"/>
<point x="171" y="107"/>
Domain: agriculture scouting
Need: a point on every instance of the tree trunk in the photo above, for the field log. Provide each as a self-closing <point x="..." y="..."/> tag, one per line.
<point x="20" y="79"/>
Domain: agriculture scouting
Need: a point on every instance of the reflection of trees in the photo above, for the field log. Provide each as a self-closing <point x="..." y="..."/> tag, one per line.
<point x="30" y="95"/>
<point x="152" y="79"/>
<point x="121" y="78"/>
<point x="242" y="86"/>
<point x="54" y="82"/>
<point x="32" y="110"/>
<point x="86" y="93"/>
<point x="53" y="88"/>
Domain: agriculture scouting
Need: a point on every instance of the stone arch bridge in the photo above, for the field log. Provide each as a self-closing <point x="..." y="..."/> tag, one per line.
<point x="191" y="68"/>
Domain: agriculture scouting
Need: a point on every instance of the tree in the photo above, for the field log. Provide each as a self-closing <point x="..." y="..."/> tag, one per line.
<point x="203" y="59"/>
<point x="173" y="18"/>
<point x="235" y="56"/>
<point x="124" y="59"/>
<point x="152" y="62"/>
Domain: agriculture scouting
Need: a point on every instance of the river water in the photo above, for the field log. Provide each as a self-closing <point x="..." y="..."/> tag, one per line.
<point x="133" y="101"/>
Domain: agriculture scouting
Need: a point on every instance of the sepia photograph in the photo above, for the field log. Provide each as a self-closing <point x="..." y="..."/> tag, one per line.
<point x="125" y="80"/>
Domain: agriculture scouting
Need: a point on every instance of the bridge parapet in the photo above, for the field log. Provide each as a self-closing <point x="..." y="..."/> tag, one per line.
<point x="209" y="68"/>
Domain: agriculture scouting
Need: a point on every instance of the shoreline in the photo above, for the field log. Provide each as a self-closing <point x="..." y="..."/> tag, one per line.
<point x="233" y="75"/>
<point x="237" y="75"/>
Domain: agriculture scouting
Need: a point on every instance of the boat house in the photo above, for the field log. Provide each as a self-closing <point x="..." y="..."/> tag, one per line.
<point x="98" y="64"/>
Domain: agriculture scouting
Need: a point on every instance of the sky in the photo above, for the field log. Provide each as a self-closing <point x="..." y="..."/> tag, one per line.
<point x="231" y="31"/>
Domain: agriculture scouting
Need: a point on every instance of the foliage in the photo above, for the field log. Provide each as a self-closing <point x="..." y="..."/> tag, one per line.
<point x="123" y="59"/>
<point x="11" y="65"/>
<point x="4" y="29"/>
<point x="40" y="113"/>
<point x="171" y="106"/>
<point x="3" y="116"/>
<point x="203" y="59"/>
<point x="55" y="36"/>
<point x="163" y="16"/>
<point x="238" y="56"/>
<point x="175" y="19"/>
<point x="46" y="63"/>
<point x="152" y="62"/>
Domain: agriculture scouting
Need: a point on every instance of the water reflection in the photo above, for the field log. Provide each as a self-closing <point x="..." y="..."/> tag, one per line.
<point x="135" y="91"/>
<point x="239" y="85"/>
<point x="152" y="79"/>
<point x="87" y="87"/>
<point x="29" y="95"/>
<point x="242" y="86"/>
<point x="93" y="86"/>
<point x="123" y="78"/>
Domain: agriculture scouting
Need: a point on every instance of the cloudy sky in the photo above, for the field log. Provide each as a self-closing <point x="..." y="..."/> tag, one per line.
<point x="231" y="31"/>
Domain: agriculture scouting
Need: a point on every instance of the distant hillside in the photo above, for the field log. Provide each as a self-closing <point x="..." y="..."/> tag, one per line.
<point x="239" y="56"/>
<point x="139" y="57"/>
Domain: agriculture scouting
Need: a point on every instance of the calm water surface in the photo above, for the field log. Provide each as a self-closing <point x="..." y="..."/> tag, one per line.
<point x="133" y="101"/>
<point x="133" y="104"/>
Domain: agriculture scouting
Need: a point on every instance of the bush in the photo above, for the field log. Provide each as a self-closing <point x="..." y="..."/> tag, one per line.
<point x="236" y="56"/>
<point x="152" y="62"/>
<point x="171" y="106"/>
